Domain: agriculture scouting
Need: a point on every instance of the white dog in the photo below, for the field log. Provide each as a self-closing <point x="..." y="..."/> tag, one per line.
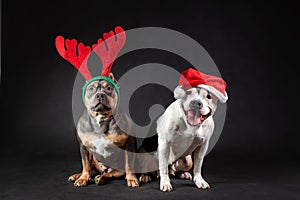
<point x="187" y="125"/>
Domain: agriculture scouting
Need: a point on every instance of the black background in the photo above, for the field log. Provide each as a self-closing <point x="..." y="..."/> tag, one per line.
<point x="254" y="45"/>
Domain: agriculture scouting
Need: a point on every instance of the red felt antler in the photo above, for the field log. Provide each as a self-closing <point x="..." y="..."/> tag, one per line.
<point x="67" y="49"/>
<point x="114" y="42"/>
<point x="109" y="49"/>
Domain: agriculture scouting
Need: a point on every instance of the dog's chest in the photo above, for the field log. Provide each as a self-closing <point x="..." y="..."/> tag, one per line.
<point x="103" y="145"/>
<point x="185" y="141"/>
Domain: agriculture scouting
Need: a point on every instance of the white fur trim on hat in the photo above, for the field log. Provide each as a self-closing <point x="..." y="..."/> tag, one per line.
<point x="217" y="93"/>
<point x="179" y="92"/>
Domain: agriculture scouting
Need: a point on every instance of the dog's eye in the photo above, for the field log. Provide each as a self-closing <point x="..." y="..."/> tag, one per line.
<point x="108" y="88"/>
<point x="188" y="92"/>
<point x="208" y="96"/>
<point x="92" y="89"/>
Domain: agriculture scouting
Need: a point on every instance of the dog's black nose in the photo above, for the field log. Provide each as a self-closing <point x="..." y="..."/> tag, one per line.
<point x="196" y="104"/>
<point x="99" y="96"/>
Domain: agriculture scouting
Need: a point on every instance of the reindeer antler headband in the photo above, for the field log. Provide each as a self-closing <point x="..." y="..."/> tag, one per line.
<point x="107" y="50"/>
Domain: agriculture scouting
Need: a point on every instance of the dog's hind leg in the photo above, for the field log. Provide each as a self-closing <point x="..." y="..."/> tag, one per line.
<point x="74" y="177"/>
<point x="100" y="167"/>
<point x="104" y="178"/>
<point x="187" y="166"/>
<point x="145" y="178"/>
<point x="181" y="167"/>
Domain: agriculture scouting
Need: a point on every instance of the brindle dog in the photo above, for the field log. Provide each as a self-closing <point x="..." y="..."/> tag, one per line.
<point x="102" y="138"/>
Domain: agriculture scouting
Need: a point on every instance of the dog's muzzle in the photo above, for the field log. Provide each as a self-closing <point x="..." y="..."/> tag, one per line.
<point x="193" y="115"/>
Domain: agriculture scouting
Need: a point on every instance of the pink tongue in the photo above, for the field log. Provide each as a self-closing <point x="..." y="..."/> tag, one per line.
<point x="193" y="118"/>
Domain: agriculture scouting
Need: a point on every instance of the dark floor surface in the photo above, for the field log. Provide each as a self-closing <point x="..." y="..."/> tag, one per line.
<point x="46" y="178"/>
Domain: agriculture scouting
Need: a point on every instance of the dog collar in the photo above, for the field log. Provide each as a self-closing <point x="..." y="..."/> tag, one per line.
<point x="98" y="78"/>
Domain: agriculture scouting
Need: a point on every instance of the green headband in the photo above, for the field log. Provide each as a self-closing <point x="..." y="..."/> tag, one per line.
<point x="98" y="78"/>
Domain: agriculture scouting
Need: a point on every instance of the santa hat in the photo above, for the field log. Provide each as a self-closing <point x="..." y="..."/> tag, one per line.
<point x="191" y="78"/>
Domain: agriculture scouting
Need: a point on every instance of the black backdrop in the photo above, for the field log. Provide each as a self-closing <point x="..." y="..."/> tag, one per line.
<point x="254" y="45"/>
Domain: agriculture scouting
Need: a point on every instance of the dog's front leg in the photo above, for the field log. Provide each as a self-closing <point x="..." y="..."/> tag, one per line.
<point x="163" y="158"/>
<point x="131" y="178"/>
<point x="85" y="175"/>
<point x="198" y="160"/>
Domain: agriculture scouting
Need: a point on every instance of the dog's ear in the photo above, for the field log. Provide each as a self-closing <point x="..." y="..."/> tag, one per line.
<point x="179" y="93"/>
<point x="112" y="77"/>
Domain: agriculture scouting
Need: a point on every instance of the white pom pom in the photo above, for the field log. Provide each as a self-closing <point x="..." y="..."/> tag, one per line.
<point x="179" y="92"/>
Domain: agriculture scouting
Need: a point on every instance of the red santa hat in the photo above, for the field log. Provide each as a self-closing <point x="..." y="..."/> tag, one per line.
<point x="191" y="78"/>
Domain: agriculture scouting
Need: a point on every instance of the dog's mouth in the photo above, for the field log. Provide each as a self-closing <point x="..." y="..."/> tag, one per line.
<point x="195" y="118"/>
<point x="100" y="107"/>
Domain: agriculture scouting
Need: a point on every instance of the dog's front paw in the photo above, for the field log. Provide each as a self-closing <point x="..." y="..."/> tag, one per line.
<point x="165" y="184"/>
<point x="186" y="175"/>
<point x="145" y="178"/>
<point x="132" y="182"/>
<point x="81" y="182"/>
<point x="166" y="187"/>
<point x="200" y="182"/>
